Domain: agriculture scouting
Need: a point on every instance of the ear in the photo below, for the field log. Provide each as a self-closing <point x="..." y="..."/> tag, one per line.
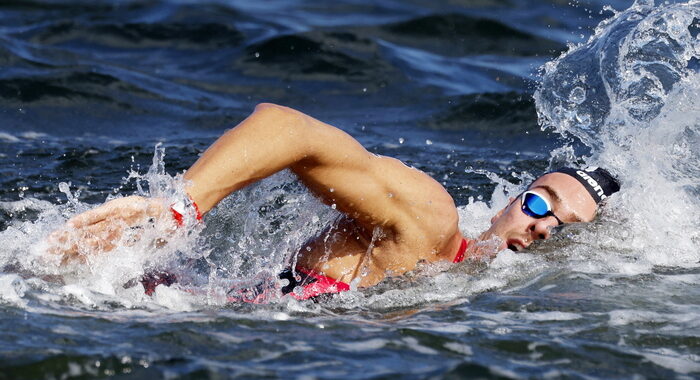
<point x="501" y="211"/>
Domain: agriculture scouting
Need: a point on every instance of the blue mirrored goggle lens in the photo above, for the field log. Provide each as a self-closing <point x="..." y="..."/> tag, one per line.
<point x="534" y="205"/>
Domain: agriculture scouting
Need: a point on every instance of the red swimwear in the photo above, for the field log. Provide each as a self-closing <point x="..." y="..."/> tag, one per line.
<point x="303" y="284"/>
<point x="152" y="279"/>
<point x="460" y="254"/>
<point x="315" y="284"/>
<point x="320" y="285"/>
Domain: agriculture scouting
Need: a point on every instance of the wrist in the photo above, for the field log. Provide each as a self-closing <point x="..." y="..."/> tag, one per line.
<point x="183" y="208"/>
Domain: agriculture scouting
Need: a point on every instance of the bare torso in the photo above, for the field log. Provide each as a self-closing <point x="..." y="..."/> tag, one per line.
<point x="346" y="251"/>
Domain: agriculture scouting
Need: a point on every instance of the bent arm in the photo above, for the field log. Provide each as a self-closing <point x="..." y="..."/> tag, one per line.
<point x="271" y="139"/>
<point x="371" y="189"/>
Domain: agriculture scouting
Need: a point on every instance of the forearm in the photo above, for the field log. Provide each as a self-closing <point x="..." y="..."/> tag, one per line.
<point x="271" y="139"/>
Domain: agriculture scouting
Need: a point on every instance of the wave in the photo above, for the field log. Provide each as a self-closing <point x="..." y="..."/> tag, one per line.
<point x="173" y="35"/>
<point x="376" y="54"/>
<point x="629" y="94"/>
<point x="458" y="34"/>
<point x="70" y="87"/>
<point x="484" y="112"/>
<point x="317" y="55"/>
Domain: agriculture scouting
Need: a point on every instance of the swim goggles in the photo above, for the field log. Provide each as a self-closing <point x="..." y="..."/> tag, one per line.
<point x="536" y="206"/>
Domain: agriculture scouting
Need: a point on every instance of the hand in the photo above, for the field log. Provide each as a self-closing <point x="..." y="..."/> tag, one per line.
<point x="485" y="250"/>
<point x="101" y="229"/>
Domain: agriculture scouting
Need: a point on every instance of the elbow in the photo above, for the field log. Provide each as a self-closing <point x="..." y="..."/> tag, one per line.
<point x="273" y="109"/>
<point x="264" y="106"/>
<point x="275" y="116"/>
<point x="279" y="123"/>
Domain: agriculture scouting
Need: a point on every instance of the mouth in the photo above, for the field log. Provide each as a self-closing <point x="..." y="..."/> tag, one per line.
<point x="515" y="245"/>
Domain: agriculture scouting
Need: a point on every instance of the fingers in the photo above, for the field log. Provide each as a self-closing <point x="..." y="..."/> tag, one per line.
<point x="95" y="238"/>
<point x="96" y="215"/>
<point x="90" y="217"/>
<point x="129" y="210"/>
<point x="483" y="250"/>
<point x="102" y="228"/>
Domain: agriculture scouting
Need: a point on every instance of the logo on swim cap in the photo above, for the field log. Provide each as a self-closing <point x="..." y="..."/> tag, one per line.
<point x="599" y="183"/>
<point x="593" y="183"/>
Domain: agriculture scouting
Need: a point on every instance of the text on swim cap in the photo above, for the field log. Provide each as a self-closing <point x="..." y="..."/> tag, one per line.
<point x="593" y="183"/>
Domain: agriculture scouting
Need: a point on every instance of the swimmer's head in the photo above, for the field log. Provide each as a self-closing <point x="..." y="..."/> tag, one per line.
<point x="566" y="195"/>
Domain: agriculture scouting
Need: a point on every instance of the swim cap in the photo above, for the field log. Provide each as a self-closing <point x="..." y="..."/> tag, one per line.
<point x="598" y="181"/>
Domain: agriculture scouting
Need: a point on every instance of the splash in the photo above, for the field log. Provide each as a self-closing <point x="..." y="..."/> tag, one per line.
<point x="629" y="94"/>
<point x="251" y="236"/>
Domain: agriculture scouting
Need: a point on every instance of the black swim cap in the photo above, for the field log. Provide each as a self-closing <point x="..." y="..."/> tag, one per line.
<point x="598" y="181"/>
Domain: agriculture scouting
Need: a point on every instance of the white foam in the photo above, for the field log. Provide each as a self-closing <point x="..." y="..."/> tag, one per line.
<point x="630" y="94"/>
<point x="81" y="294"/>
<point x="32" y="135"/>
<point x="685" y="279"/>
<point x="12" y="289"/>
<point x="630" y="317"/>
<point x="415" y="345"/>
<point x="65" y="330"/>
<point x="8" y="137"/>
<point x="674" y="361"/>
<point x="459" y="348"/>
<point x="362" y="346"/>
<point x="175" y="299"/>
<point x="551" y="316"/>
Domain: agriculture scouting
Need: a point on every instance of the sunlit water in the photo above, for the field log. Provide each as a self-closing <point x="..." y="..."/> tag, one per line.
<point x="615" y="298"/>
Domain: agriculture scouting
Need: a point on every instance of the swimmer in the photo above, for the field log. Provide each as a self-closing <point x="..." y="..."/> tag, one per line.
<point x="394" y="216"/>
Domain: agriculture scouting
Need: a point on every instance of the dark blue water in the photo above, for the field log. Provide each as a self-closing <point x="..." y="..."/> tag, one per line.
<point x="87" y="90"/>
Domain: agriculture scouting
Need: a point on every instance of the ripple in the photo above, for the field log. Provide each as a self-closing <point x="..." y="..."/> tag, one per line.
<point x="339" y="56"/>
<point x="174" y="35"/>
<point x="457" y="34"/>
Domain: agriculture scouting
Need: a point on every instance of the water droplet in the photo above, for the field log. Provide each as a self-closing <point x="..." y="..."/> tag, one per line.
<point x="401" y="140"/>
<point x="257" y="55"/>
<point x="583" y="120"/>
<point x="428" y="142"/>
<point x="333" y="206"/>
<point x="577" y="95"/>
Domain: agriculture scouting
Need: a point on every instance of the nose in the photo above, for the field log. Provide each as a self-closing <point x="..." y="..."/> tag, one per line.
<point x="540" y="229"/>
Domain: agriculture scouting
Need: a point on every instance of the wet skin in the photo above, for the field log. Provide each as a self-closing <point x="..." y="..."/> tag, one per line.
<point x="569" y="200"/>
<point x="341" y="252"/>
<point x="395" y="216"/>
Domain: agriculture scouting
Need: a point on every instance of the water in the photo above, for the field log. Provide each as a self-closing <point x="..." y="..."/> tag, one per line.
<point x="101" y="100"/>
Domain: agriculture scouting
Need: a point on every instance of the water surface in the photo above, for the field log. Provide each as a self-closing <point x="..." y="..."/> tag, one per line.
<point x="117" y="98"/>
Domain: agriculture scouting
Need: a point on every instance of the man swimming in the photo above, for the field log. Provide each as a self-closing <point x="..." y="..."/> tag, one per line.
<point x="394" y="216"/>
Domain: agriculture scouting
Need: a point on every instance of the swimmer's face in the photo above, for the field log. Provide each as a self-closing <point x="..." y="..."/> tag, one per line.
<point x="569" y="200"/>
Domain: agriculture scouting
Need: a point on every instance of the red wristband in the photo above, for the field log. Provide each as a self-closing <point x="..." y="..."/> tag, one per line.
<point x="179" y="208"/>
